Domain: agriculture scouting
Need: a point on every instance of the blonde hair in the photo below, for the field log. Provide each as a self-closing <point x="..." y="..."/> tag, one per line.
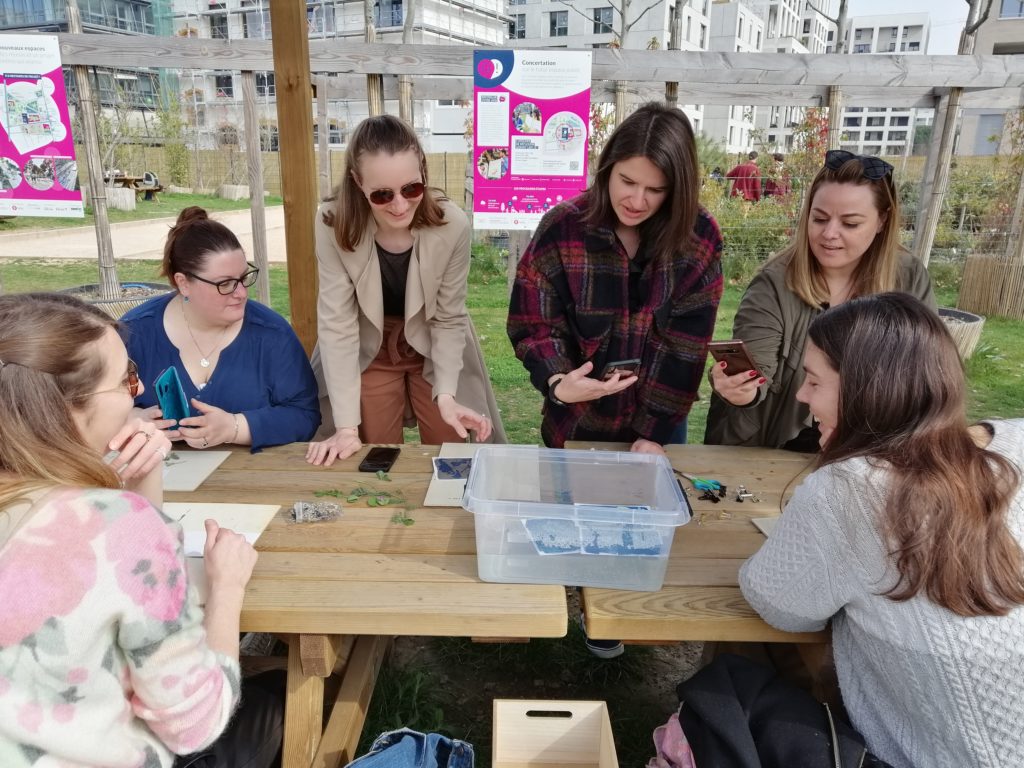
<point x="878" y="270"/>
<point x="380" y="135"/>
<point x="49" y="368"/>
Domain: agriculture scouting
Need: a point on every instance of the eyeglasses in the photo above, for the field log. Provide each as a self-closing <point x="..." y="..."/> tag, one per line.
<point x="131" y="382"/>
<point x="227" y="287"/>
<point x="874" y="167"/>
<point x="410" y="191"/>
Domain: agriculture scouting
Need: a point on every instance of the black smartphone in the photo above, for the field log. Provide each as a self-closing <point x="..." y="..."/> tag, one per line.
<point x="734" y="354"/>
<point x="171" y="395"/>
<point x="622" y="367"/>
<point x="379" y="460"/>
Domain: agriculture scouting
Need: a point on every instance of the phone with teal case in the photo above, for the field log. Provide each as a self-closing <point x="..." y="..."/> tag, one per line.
<point x="171" y="395"/>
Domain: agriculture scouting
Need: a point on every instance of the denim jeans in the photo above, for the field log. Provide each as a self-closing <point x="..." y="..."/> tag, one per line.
<point x="679" y="435"/>
<point x="410" y="749"/>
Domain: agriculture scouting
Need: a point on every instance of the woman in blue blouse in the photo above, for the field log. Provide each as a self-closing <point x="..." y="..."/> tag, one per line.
<point x="244" y="371"/>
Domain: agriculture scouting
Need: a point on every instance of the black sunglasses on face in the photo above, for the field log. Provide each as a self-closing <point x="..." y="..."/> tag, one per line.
<point x="410" y="191"/>
<point x="874" y="167"/>
<point x="228" y="286"/>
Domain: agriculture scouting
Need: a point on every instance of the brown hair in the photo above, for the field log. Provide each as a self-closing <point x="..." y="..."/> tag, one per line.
<point x="662" y="135"/>
<point x="380" y="135"/>
<point x="901" y="403"/>
<point x="193" y="237"/>
<point x="49" y="367"/>
<point x="878" y="270"/>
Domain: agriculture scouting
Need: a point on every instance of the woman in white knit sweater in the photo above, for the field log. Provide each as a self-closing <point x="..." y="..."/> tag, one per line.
<point x="908" y="537"/>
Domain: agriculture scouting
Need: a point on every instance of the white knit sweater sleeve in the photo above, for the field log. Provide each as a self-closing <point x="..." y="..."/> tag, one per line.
<point x="801" y="577"/>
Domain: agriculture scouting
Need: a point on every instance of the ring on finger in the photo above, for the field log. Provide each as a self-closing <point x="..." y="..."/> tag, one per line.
<point x="162" y="452"/>
<point x="206" y="443"/>
<point x="143" y="432"/>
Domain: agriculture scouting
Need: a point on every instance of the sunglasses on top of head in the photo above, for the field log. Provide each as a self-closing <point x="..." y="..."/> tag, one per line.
<point x="874" y="168"/>
<point x="410" y="191"/>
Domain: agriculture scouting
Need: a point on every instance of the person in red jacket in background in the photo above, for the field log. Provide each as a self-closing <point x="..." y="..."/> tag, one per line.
<point x="746" y="179"/>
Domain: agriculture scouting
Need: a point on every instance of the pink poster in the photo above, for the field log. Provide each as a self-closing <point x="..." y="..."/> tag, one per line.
<point x="38" y="171"/>
<point x="530" y="117"/>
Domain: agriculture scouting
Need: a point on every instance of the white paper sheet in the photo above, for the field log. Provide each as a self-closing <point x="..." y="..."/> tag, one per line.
<point x="187" y="470"/>
<point x="448" y="493"/>
<point x="248" y="519"/>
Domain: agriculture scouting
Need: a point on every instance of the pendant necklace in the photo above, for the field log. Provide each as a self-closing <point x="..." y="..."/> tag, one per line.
<point x="204" y="359"/>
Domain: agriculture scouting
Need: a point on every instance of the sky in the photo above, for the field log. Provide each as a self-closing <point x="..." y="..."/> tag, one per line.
<point x="947" y="18"/>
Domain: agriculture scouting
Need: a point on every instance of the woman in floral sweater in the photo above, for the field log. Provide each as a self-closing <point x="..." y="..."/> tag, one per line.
<point x="105" y="656"/>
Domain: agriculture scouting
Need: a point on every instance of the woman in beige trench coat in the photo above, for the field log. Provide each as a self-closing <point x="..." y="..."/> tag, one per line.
<point x="395" y="341"/>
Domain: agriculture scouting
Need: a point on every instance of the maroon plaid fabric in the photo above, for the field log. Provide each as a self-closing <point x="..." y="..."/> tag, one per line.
<point x="571" y="303"/>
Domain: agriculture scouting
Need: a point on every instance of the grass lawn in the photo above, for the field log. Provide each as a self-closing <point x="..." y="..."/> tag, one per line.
<point x="168" y="205"/>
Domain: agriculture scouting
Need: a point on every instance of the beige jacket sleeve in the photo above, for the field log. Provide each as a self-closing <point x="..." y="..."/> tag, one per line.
<point x="338" y="328"/>
<point x="449" y="324"/>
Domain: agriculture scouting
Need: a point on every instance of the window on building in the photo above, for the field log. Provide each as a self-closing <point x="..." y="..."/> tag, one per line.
<point x="895" y="149"/>
<point x="831" y="34"/>
<point x="320" y="20"/>
<point x="732" y="130"/>
<point x="892" y="47"/>
<point x="256" y="25"/>
<point x="905" y="120"/>
<point x="872" y="135"/>
<point x="517" y="2"/>
<point x="913" y="46"/>
<point x="875" y="121"/>
<point x="265" y="84"/>
<point x="270" y="140"/>
<point x="739" y="34"/>
<point x="851" y="122"/>
<point x="558" y="24"/>
<point x="894" y="32"/>
<point x="807" y="26"/>
<point x="387" y="13"/>
<point x="225" y="85"/>
<point x="872" y="149"/>
<point x="602" y="20"/>
<point x="897" y="136"/>
<point x="703" y="35"/>
<point x="906" y="31"/>
<point x="862" y="48"/>
<point x="227" y="136"/>
<point x="771" y="138"/>
<point x="1012" y="9"/>
<point x="517" y="26"/>
<point x="219" y="26"/>
<point x="689" y="28"/>
<point x="759" y="39"/>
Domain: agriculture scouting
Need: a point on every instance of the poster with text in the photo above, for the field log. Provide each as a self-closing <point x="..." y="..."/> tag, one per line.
<point x="531" y="115"/>
<point x="38" y="171"/>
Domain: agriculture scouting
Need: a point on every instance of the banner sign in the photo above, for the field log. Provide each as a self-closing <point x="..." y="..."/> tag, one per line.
<point x="531" y="115"/>
<point x="38" y="172"/>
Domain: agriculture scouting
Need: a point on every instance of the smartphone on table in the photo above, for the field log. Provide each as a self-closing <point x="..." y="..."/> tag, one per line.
<point x="734" y="354"/>
<point x="379" y="459"/>
<point x="624" y="368"/>
<point x="171" y="395"/>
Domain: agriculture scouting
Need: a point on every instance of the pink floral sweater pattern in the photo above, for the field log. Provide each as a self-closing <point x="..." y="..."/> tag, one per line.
<point x="103" y="655"/>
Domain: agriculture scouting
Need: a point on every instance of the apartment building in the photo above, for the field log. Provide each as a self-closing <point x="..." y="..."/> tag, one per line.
<point x="599" y="24"/>
<point x="213" y="99"/>
<point x="736" y="27"/>
<point x="1002" y="33"/>
<point x="135" y="88"/>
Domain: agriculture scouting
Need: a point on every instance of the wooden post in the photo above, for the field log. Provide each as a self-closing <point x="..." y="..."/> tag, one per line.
<point x="518" y="239"/>
<point x="405" y="81"/>
<point x="674" y="31"/>
<point x="374" y="82"/>
<point x="254" y="163"/>
<point x="110" y="286"/>
<point x="620" y="102"/>
<point x="929" y="205"/>
<point x="298" y="182"/>
<point x="323" y="147"/>
<point x="835" y="114"/>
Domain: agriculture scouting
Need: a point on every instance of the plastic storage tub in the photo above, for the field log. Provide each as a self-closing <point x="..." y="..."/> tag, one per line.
<point x="579" y="518"/>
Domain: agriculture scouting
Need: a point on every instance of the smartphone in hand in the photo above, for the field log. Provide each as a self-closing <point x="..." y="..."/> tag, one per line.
<point x="171" y="395"/>
<point x="624" y="368"/>
<point x="379" y="459"/>
<point x="734" y="353"/>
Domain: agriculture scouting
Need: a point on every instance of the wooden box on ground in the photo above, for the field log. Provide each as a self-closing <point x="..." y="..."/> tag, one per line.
<point x="536" y="734"/>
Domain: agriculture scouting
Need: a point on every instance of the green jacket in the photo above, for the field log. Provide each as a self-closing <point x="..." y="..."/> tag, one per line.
<point x="773" y="322"/>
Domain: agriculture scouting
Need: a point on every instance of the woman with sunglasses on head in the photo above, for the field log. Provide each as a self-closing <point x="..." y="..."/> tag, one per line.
<point x="629" y="270"/>
<point x="242" y="368"/>
<point x="908" y="537"/>
<point x="395" y="340"/>
<point x="846" y="245"/>
<point x="106" y="657"/>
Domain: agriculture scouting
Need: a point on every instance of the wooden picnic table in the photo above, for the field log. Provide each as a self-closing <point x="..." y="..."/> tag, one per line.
<point x="343" y="588"/>
<point x="136" y="183"/>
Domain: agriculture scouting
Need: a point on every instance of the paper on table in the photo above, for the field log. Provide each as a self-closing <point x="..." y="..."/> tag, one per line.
<point x="187" y="470"/>
<point x="765" y="525"/>
<point x="247" y="519"/>
<point x="448" y="493"/>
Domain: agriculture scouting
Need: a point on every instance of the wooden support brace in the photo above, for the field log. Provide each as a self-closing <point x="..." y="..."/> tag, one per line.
<point x="341" y="736"/>
<point x="303" y="712"/>
<point x="320" y="654"/>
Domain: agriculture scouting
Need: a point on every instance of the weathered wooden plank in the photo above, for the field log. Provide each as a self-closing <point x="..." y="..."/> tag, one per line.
<point x="768" y="69"/>
<point x="303" y="713"/>
<point x="356" y="567"/>
<point x="319" y="654"/>
<point x="682" y="613"/>
<point x="328" y="606"/>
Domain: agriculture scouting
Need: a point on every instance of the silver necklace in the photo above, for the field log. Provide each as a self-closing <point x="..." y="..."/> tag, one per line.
<point x="204" y="359"/>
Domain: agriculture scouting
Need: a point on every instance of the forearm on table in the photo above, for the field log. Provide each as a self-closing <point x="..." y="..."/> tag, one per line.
<point x="222" y="620"/>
